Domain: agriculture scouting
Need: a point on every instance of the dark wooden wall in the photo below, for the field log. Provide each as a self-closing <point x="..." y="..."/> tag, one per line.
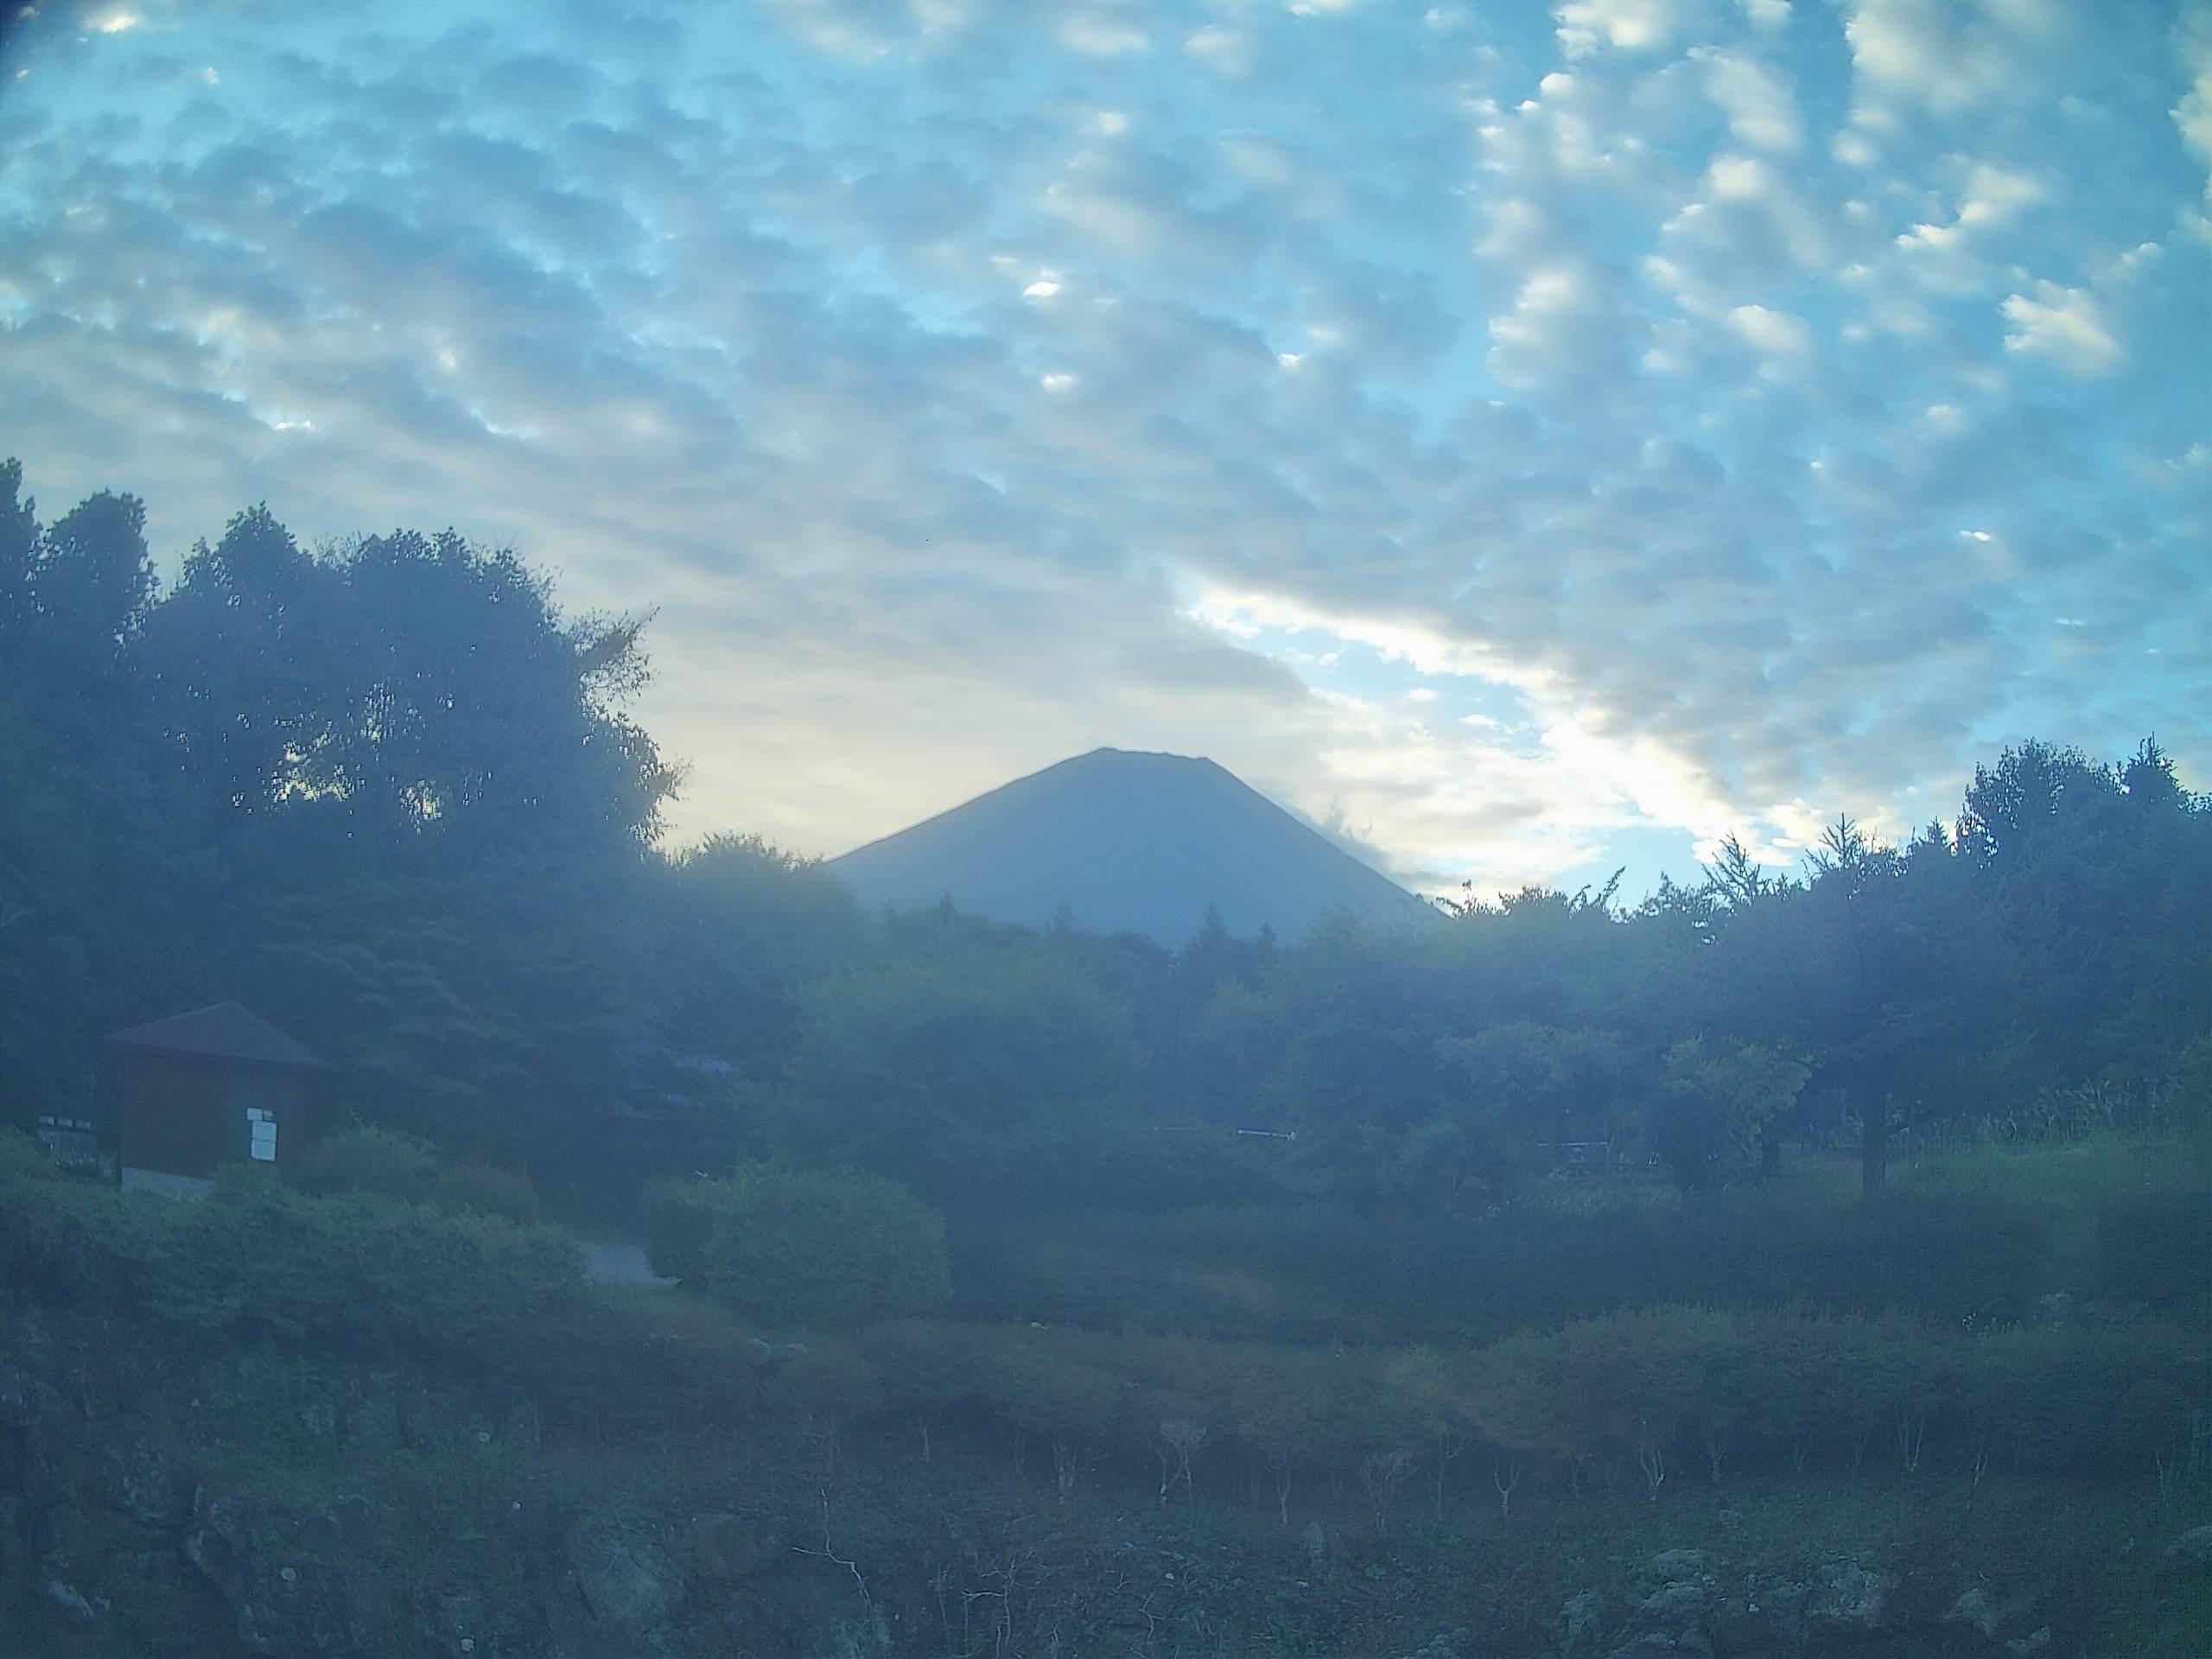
<point x="180" y="1112"/>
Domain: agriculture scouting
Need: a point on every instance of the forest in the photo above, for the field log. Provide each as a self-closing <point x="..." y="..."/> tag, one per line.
<point x="1794" y="1259"/>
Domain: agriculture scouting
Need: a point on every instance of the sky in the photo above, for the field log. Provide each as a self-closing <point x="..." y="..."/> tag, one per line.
<point x="1527" y="442"/>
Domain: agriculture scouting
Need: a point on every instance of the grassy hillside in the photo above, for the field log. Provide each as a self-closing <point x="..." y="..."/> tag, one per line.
<point x="425" y="1417"/>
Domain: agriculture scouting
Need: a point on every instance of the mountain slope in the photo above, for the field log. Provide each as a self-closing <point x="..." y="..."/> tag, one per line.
<point x="1131" y="842"/>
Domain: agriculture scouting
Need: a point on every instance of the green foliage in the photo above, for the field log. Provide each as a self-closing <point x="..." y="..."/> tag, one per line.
<point x="407" y="1167"/>
<point x="486" y="1189"/>
<point x="1318" y="1273"/>
<point x="1656" y="1392"/>
<point x="680" y="1217"/>
<point x="23" y="1162"/>
<point x="965" y="1073"/>
<point x="823" y="1386"/>
<point x="807" y="1249"/>
<point x="2156" y="1246"/>
<point x="355" y="1270"/>
<point x="1719" y="1107"/>
<point x="371" y="1161"/>
<point x="1526" y="1087"/>
<point x="625" y="1357"/>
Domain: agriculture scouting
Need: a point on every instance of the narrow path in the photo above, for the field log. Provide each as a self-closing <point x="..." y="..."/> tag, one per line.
<point x="622" y="1264"/>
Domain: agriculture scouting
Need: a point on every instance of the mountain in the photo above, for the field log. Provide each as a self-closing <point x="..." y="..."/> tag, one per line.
<point x="1130" y="842"/>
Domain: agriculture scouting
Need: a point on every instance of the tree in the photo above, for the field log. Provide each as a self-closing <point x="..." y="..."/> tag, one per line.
<point x="738" y="926"/>
<point x="975" y="1072"/>
<point x="418" y="685"/>
<point x="1526" y="1087"/>
<point x="1721" y="1105"/>
<point x="815" y="1250"/>
<point x="92" y="580"/>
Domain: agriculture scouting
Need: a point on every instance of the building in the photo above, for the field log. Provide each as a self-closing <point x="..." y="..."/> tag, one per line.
<point x="218" y="1085"/>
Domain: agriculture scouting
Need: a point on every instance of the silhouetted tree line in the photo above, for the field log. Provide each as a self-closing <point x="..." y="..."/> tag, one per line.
<point x="389" y="793"/>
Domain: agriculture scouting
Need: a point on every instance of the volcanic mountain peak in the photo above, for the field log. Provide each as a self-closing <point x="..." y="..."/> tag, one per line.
<point x="1129" y="841"/>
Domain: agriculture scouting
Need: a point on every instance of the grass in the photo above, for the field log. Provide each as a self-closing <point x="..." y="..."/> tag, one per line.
<point x="2070" y="1181"/>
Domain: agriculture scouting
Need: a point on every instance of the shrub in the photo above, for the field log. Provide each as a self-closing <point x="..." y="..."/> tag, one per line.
<point x="354" y="1270"/>
<point x="364" y="1159"/>
<point x="361" y="1269"/>
<point x="486" y="1189"/>
<point x="408" y="1167"/>
<point x="620" y="1355"/>
<point x="679" y="1222"/>
<point x="823" y="1387"/>
<point x="23" y="1160"/>
<point x="2155" y="1424"/>
<point x="816" y="1249"/>
<point x="1315" y="1273"/>
<point x="2155" y="1246"/>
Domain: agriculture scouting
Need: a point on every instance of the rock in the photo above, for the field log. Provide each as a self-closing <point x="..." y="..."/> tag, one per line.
<point x="295" y="1582"/>
<point x="2034" y="1642"/>
<point x="802" y="1608"/>
<point x="630" y="1578"/>
<point x="144" y="1484"/>
<point x="1677" y="1604"/>
<point x="1453" y="1645"/>
<point x="1674" y="1605"/>
<point x="1315" y="1539"/>
<point x="1582" y="1613"/>
<point x="2056" y="1311"/>
<point x="1669" y="1565"/>
<point x="37" y="1427"/>
<point x="727" y="1548"/>
<point x="2191" y="1552"/>
<point x="1671" y="1604"/>
<point x="1851" y="1600"/>
<point x="456" y="1625"/>
<point x="372" y="1423"/>
<point x="1978" y="1609"/>
<point x="72" y="1601"/>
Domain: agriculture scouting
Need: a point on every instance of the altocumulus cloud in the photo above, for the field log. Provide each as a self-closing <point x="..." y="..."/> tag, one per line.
<point x="1518" y="444"/>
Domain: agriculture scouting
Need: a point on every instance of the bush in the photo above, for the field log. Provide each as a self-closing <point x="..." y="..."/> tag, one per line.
<point x="1315" y="1273"/>
<point x="825" y="1388"/>
<point x="407" y="1167"/>
<point x="679" y="1222"/>
<point x="808" y="1249"/>
<point x="22" y="1159"/>
<point x="359" y="1269"/>
<point x="355" y="1270"/>
<point x="1952" y="1257"/>
<point x="2156" y="1246"/>
<point x="364" y="1159"/>
<point x="618" y="1354"/>
<point x="1655" y="1394"/>
<point x="486" y="1190"/>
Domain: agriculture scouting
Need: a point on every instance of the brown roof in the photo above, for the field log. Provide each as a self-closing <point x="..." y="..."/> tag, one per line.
<point x="226" y="1031"/>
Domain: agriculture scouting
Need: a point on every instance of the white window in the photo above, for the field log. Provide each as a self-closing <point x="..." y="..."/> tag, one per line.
<point x="261" y="1134"/>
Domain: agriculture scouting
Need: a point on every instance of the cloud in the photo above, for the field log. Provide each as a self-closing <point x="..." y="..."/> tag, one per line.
<point x="1760" y="110"/>
<point x="1586" y="26"/>
<point x="1505" y="444"/>
<point x="2193" y="114"/>
<point x="2066" y="325"/>
<point x="1102" y="37"/>
<point x="1218" y="48"/>
<point x="1776" y="332"/>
